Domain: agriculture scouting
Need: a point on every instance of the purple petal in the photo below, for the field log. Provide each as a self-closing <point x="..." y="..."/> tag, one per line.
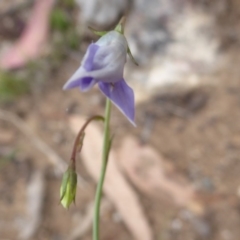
<point x="122" y="96"/>
<point x="87" y="62"/>
<point x="74" y="80"/>
<point x="86" y="83"/>
<point x="108" y="63"/>
<point x="80" y="78"/>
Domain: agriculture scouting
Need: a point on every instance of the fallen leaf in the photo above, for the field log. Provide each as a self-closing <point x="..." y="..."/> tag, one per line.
<point x="148" y="172"/>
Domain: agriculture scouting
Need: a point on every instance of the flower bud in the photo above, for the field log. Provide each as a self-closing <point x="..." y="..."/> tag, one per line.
<point x="68" y="187"/>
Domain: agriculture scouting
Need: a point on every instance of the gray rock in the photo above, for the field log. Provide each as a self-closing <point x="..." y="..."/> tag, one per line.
<point x="174" y="45"/>
<point x="101" y="12"/>
<point x="173" y="41"/>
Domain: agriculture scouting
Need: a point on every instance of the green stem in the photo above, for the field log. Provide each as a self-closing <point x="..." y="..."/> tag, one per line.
<point x="106" y="146"/>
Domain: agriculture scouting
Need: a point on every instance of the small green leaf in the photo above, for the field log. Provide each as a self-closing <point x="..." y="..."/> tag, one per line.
<point x="131" y="56"/>
<point x="120" y="27"/>
<point x="98" y="33"/>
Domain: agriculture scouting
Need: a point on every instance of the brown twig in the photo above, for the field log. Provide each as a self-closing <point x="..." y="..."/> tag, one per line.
<point x="51" y="155"/>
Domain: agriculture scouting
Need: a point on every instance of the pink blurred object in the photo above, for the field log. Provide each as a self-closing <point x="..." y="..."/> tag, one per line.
<point x="31" y="42"/>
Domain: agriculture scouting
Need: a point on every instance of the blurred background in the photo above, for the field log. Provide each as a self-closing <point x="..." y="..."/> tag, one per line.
<point x="175" y="176"/>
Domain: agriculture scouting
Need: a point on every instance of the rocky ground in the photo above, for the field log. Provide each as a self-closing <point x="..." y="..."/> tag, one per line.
<point x="176" y="176"/>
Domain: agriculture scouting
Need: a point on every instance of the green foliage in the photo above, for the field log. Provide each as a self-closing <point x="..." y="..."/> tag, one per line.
<point x="60" y="20"/>
<point x="68" y="3"/>
<point x="73" y="40"/>
<point x="4" y="160"/>
<point x="11" y="87"/>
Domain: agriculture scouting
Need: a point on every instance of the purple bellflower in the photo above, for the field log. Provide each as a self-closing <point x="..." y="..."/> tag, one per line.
<point x="103" y="64"/>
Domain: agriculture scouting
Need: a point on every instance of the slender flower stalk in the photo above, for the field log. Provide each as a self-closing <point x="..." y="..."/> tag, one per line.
<point x="79" y="139"/>
<point x="69" y="182"/>
<point x="102" y="65"/>
<point x="105" y="153"/>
